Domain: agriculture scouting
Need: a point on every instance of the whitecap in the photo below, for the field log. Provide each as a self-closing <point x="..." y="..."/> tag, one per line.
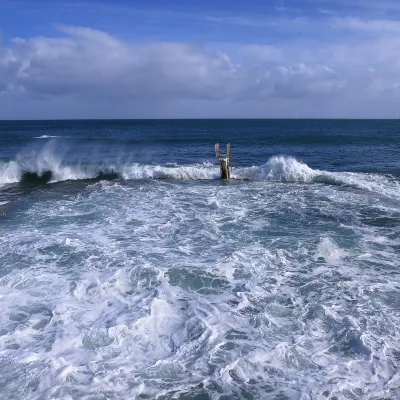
<point x="45" y="137"/>
<point x="329" y="251"/>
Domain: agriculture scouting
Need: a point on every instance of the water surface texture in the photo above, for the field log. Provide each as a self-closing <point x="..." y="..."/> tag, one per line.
<point x="129" y="270"/>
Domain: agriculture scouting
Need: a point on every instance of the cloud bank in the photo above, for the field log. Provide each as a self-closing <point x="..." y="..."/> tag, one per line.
<point x="88" y="73"/>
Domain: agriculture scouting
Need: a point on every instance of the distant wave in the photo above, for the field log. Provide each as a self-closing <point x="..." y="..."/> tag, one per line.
<point x="45" y="137"/>
<point x="47" y="167"/>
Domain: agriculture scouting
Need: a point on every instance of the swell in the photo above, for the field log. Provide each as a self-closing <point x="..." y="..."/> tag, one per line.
<point x="112" y="140"/>
<point x="295" y="140"/>
<point x="48" y="168"/>
<point x="35" y="178"/>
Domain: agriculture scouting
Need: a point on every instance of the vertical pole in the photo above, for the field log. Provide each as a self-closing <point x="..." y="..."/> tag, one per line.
<point x="224" y="161"/>
<point x="225" y="172"/>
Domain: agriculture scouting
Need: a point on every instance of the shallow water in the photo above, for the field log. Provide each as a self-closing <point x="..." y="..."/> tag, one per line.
<point x="164" y="282"/>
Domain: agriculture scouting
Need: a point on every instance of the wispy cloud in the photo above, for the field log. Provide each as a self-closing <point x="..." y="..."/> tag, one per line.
<point x="355" y="5"/>
<point x="240" y="21"/>
<point x="364" y="25"/>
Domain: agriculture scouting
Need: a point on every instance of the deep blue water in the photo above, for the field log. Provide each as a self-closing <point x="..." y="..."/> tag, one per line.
<point x="337" y="145"/>
<point x="128" y="269"/>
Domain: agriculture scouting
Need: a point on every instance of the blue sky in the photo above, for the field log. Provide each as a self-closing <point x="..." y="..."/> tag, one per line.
<point x="221" y="20"/>
<point x="130" y="59"/>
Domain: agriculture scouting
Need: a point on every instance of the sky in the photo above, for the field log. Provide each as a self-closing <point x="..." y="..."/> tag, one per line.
<point x="63" y="59"/>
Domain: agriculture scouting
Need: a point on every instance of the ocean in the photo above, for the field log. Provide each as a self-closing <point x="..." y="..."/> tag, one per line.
<point x="129" y="270"/>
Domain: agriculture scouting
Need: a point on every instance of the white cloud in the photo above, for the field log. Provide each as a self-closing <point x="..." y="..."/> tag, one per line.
<point x="88" y="60"/>
<point x="365" y="25"/>
<point x="89" y="73"/>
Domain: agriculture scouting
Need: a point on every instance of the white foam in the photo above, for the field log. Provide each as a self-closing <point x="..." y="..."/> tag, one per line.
<point x="196" y="171"/>
<point x="164" y="287"/>
<point x="279" y="168"/>
<point x="329" y="251"/>
<point x="10" y="172"/>
<point x="288" y="169"/>
<point x="51" y="158"/>
<point x="46" y="137"/>
<point x="376" y="183"/>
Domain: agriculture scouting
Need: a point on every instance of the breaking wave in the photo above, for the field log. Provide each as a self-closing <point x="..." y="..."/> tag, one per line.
<point x="46" y="137"/>
<point x="35" y="178"/>
<point x="278" y="168"/>
<point x="47" y="166"/>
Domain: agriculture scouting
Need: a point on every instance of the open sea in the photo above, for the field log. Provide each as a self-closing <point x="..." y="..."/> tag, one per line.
<point x="129" y="270"/>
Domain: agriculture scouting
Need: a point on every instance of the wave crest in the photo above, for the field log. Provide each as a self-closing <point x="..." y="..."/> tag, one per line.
<point x="47" y="166"/>
<point x="278" y="168"/>
<point x="46" y="137"/>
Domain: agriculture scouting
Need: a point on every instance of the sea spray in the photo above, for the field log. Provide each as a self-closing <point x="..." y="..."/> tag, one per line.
<point x="278" y="168"/>
<point x="49" y="162"/>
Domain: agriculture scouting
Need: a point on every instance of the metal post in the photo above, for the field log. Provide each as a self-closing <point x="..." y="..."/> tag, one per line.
<point x="225" y="173"/>
<point x="224" y="161"/>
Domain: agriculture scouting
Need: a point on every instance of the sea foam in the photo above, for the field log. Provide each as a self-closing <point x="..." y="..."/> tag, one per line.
<point x="50" y="160"/>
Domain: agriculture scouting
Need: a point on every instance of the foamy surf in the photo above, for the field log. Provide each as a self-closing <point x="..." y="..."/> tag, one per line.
<point x="277" y="169"/>
<point x="143" y="282"/>
<point x="145" y="290"/>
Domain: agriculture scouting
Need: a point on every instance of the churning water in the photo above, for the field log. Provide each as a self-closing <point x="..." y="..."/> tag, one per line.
<point x="129" y="270"/>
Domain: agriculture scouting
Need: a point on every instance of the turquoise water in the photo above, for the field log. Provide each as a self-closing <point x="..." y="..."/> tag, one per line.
<point x="129" y="270"/>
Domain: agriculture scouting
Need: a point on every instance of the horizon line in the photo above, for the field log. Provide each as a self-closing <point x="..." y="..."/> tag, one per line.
<point x="201" y="119"/>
